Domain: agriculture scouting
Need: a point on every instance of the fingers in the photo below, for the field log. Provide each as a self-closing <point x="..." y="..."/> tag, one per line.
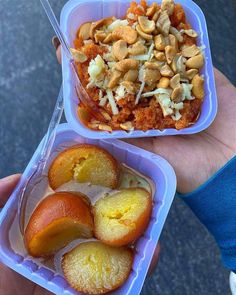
<point x="155" y="259"/>
<point x="220" y="78"/>
<point x="7" y="186"/>
<point x="56" y="43"/>
<point x="58" y="54"/>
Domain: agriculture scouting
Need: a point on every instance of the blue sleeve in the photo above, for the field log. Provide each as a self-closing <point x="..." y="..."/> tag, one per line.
<point x="214" y="203"/>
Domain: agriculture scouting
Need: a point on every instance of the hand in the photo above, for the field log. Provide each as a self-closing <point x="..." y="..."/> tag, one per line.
<point x="197" y="157"/>
<point x="12" y="283"/>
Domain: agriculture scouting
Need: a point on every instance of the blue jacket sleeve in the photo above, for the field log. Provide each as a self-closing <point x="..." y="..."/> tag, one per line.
<point x="214" y="203"/>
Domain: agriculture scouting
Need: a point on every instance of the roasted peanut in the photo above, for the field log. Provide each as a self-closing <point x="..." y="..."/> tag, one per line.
<point x="177" y="34"/>
<point x="151" y="65"/>
<point x="191" y="73"/>
<point x="190" y="51"/>
<point x="115" y="77"/>
<point x="95" y="25"/>
<point x="156" y="64"/>
<point x="78" y="56"/>
<point x="104" y="127"/>
<point x="168" y="5"/>
<point x="174" y="42"/>
<point x="126" y="65"/>
<point x="87" y="42"/>
<point x="166" y="71"/>
<point x="191" y="33"/>
<point x="159" y="42"/>
<point x="120" y="50"/>
<point x="160" y="56"/>
<point x="105" y="115"/>
<point x="125" y="33"/>
<point x="146" y="25"/>
<point x="128" y="126"/>
<point x="198" y="86"/>
<point x="151" y="76"/>
<point x="99" y="36"/>
<point x="131" y="75"/>
<point x="142" y="34"/>
<point x="163" y="83"/>
<point x="170" y="53"/>
<point x="195" y="62"/>
<point x="156" y="15"/>
<point x="175" y="81"/>
<point x="163" y="23"/>
<point x="108" y="39"/>
<point x="93" y="125"/>
<point x="167" y="40"/>
<point x="178" y="64"/>
<point x="137" y="49"/>
<point x="177" y="94"/>
<point x="151" y="9"/>
<point x="84" y="31"/>
<point x="130" y="86"/>
<point x="94" y="121"/>
<point x="155" y="32"/>
<point x="173" y="64"/>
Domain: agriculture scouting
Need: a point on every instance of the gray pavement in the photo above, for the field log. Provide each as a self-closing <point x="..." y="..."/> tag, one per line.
<point x="29" y="82"/>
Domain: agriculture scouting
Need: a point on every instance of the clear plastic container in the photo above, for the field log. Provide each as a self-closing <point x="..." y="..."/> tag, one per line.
<point x="153" y="166"/>
<point x="76" y="12"/>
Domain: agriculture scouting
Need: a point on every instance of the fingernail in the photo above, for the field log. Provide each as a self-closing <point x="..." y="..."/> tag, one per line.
<point x="55" y="42"/>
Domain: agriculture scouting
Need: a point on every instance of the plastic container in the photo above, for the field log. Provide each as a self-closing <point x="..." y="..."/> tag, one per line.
<point x="146" y="163"/>
<point x="76" y="12"/>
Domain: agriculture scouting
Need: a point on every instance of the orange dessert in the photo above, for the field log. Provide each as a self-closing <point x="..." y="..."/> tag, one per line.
<point x="143" y="70"/>
<point x="84" y="163"/>
<point x="95" y="268"/>
<point x="122" y="217"/>
<point x="58" y="219"/>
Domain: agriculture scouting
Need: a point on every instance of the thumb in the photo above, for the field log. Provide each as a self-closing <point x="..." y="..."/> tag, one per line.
<point x="7" y="186"/>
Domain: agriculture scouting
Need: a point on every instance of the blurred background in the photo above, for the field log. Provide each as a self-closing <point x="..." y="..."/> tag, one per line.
<point x="29" y="83"/>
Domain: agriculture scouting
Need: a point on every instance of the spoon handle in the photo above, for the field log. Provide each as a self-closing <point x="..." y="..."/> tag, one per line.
<point x="51" y="132"/>
<point x="52" y="18"/>
<point x="38" y="169"/>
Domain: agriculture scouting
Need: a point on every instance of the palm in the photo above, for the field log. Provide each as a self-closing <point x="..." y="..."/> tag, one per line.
<point x="196" y="157"/>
